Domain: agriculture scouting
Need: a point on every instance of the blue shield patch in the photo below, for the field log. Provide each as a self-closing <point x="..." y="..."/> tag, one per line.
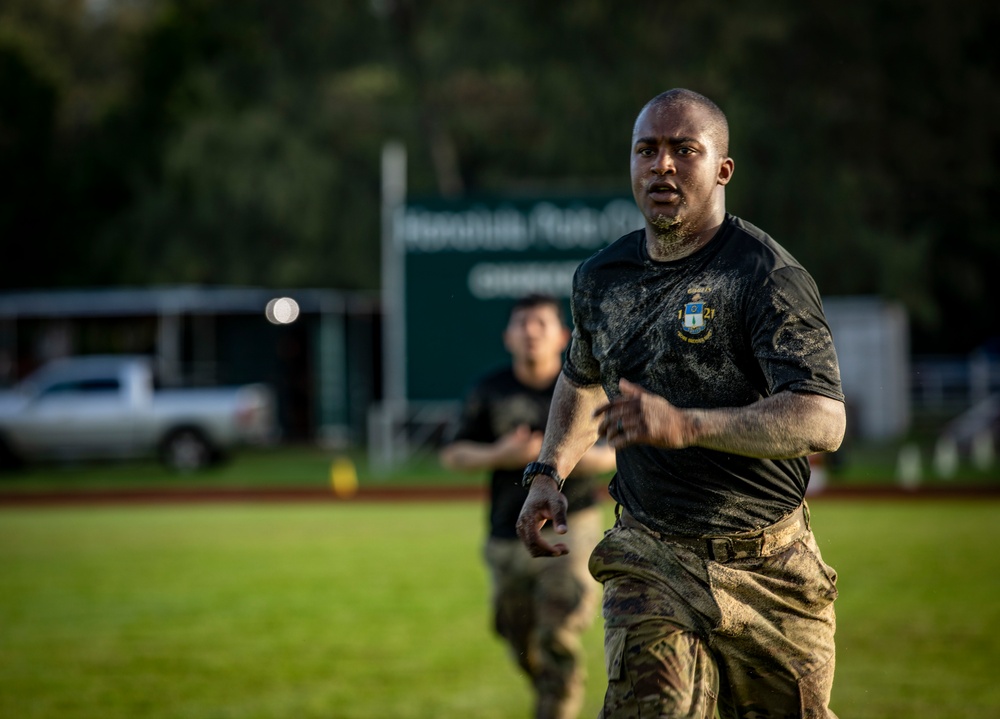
<point x="694" y="317"/>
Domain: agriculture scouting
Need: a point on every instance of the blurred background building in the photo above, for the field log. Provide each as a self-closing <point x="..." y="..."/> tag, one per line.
<point x="324" y="363"/>
<point x="171" y="166"/>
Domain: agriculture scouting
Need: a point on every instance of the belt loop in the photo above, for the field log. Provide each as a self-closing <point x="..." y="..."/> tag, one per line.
<point x="618" y="511"/>
<point x="805" y="513"/>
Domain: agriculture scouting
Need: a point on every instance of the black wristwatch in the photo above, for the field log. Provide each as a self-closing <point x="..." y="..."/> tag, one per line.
<point x="536" y="468"/>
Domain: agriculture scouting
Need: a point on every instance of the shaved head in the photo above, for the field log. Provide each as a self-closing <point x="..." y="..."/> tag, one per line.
<point x="719" y="127"/>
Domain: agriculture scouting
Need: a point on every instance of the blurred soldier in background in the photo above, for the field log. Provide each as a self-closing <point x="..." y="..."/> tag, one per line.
<point x="540" y="606"/>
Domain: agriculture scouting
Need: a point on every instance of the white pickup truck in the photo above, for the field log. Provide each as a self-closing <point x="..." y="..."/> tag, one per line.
<point x="100" y="407"/>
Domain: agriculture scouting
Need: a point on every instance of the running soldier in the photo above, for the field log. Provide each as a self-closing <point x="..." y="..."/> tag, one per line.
<point x="701" y="353"/>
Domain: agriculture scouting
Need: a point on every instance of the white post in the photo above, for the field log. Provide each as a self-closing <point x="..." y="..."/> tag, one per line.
<point x="983" y="451"/>
<point x="946" y="457"/>
<point x="908" y="466"/>
<point x="393" y="287"/>
<point x="393" y="275"/>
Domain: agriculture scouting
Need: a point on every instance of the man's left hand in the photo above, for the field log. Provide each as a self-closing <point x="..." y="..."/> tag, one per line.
<point x="641" y="417"/>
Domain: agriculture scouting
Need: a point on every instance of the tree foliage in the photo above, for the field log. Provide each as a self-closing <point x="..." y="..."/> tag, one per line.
<point x="178" y="141"/>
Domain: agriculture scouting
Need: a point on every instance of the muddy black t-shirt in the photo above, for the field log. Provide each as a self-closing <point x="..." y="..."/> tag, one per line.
<point x="735" y="322"/>
<point x="497" y="405"/>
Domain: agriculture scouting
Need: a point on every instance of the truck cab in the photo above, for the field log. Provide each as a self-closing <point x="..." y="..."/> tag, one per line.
<point x="108" y="407"/>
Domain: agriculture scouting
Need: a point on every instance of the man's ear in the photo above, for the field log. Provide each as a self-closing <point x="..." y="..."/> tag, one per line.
<point x="726" y="169"/>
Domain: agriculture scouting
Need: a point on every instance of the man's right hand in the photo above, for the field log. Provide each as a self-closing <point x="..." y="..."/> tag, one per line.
<point x="545" y="503"/>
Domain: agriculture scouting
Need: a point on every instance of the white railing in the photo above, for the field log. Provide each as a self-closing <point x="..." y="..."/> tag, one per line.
<point x="398" y="431"/>
<point x="953" y="384"/>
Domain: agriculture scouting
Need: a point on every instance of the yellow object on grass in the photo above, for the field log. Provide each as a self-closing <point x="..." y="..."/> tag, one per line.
<point x="343" y="477"/>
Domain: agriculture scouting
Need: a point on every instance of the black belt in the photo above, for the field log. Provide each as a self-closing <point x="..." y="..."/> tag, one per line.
<point x="725" y="548"/>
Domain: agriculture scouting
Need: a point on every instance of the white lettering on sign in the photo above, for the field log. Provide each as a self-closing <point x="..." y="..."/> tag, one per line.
<point x="508" y="280"/>
<point x="505" y="228"/>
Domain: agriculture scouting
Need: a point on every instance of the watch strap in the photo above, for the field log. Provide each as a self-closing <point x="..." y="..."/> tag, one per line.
<point x="536" y="468"/>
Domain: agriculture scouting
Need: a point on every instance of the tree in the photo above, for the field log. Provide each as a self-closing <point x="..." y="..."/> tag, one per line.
<point x="202" y="141"/>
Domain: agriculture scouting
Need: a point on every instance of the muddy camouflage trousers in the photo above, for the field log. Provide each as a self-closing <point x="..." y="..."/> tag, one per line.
<point x="542" y="606"/>
<point x="741" y="625"/>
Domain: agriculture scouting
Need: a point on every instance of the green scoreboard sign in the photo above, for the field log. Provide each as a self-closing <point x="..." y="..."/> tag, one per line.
<point x="464" y="263"/>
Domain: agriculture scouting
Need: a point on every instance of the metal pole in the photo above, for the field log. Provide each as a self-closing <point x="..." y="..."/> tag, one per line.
<point x="393" y="276"/>
<point x="393" y="296"/>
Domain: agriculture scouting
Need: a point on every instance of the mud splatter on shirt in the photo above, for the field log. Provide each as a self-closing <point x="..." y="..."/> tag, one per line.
<point x="735" y="322"/>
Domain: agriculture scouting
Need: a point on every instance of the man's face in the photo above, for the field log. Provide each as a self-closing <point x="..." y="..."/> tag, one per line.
<point x="676" y="167"/>
<point x="535" y="334"/>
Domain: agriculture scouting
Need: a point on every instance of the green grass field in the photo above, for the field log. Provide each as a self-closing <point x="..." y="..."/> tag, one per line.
<point x="306" y="466"/>
<point x="362" y="610"/>
<point x="299" y="466"/>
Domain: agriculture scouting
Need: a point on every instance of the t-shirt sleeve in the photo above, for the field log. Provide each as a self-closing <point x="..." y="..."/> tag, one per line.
<point x="791" y="338"/>
<point x="580" y="366"/>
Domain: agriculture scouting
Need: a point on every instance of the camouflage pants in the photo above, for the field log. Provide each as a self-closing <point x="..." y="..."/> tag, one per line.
<point x="686" y="636"/>
<point x="542" y="606"/>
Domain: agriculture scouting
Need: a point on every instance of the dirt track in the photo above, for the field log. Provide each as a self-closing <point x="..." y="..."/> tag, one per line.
<point x="398" y="494"/>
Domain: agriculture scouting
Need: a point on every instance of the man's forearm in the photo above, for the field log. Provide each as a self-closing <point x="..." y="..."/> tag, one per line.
<point x="468" y="456"/>
<point x="783" y="426"/>
<point x="571" y="429"/>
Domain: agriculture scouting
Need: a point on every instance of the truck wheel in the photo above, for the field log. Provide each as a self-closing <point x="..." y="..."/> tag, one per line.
<point x="186" y="450"/>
